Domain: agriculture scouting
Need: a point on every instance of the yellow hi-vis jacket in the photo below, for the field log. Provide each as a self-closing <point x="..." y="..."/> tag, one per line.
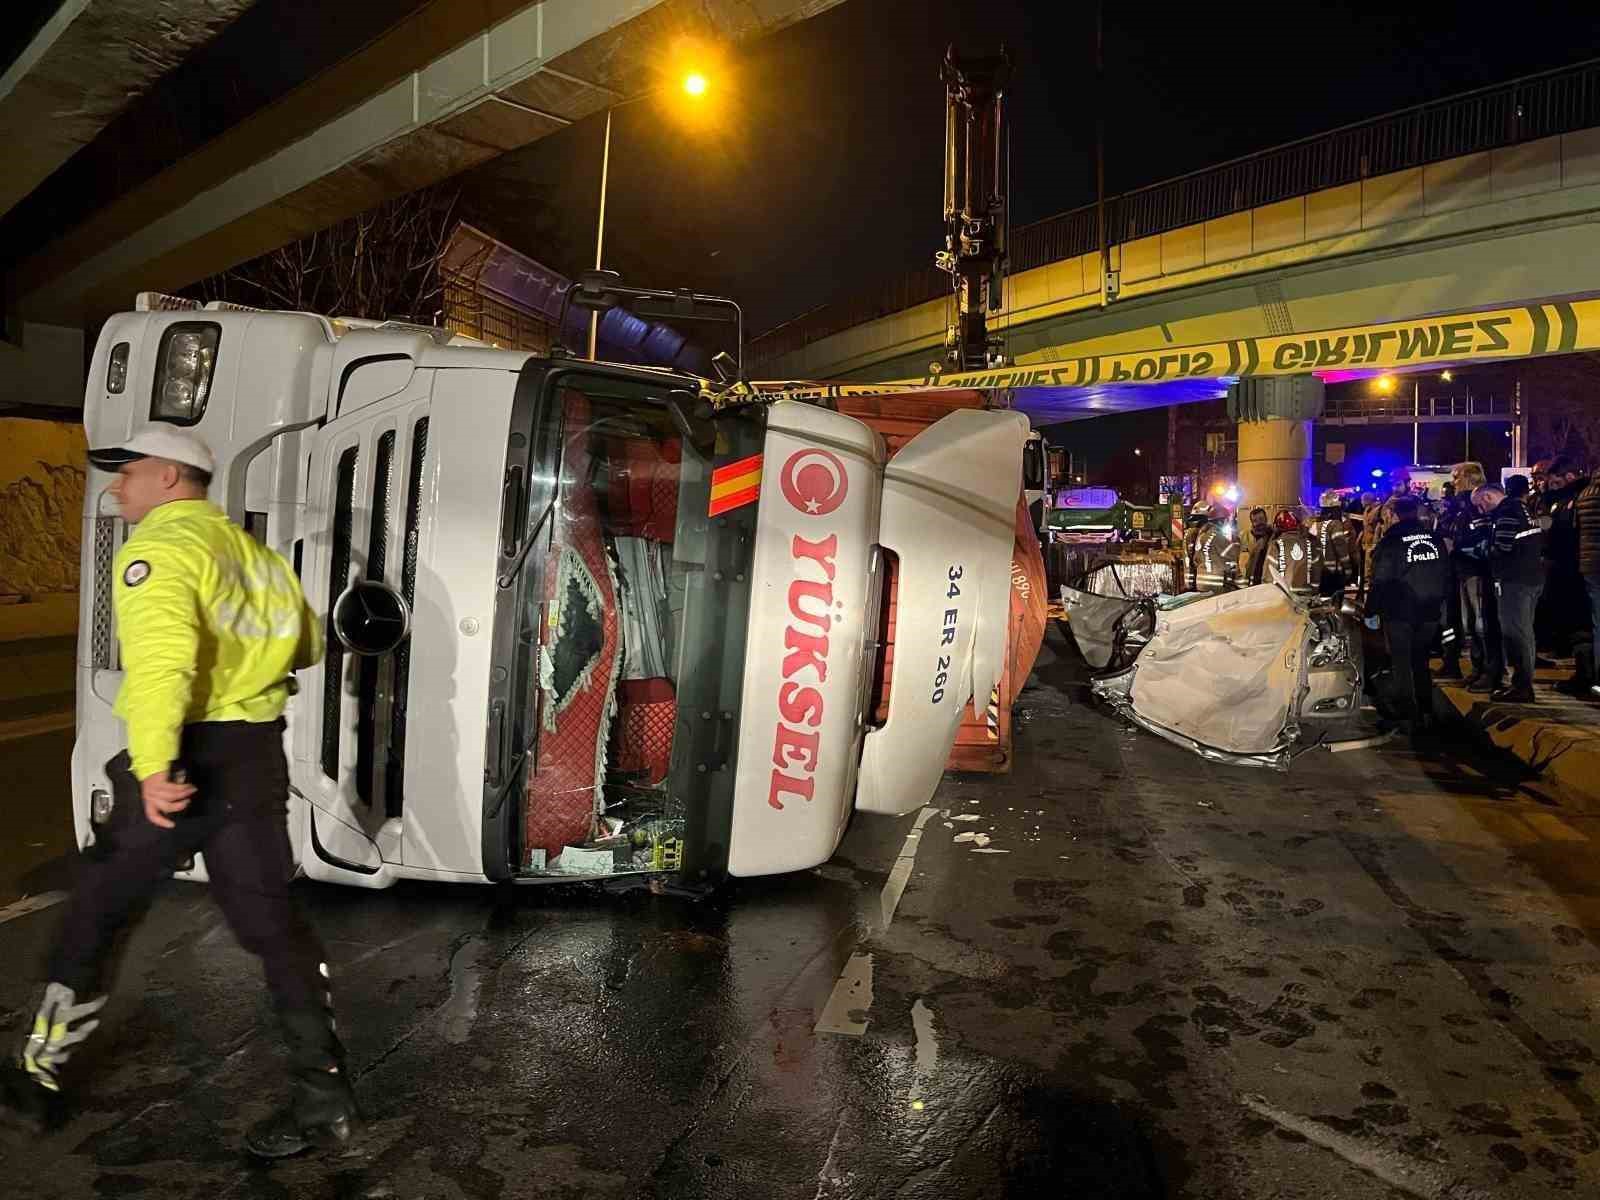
<point x="211" y="625"/>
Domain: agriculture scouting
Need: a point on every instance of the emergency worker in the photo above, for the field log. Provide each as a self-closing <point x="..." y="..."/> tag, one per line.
<point x="1294" y="559"/>
<point x="211" y="625"/>
<point x="1515" y="560"/>
<point x="1471" y="532"/>
<point x="1380" y="516"/>
<point x="1331" y="534"/>
<point x="1194" y="524"/>
<point x="1405" y="599"/>
<point x="1216" y="557"/>
<point x="1260" y="535"/>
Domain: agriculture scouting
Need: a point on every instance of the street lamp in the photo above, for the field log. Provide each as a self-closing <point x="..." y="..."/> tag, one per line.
<point x="694" y="84"/>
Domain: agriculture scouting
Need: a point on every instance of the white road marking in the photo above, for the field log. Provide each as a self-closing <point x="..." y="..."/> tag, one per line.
<point x="1413" y="1176"/>
<point x="848" y="1007"/>
<point x="30" y="904"/>
<point x="852" y="994"/>
<point x="900" y="875"/>
<point x="927" y="1039"/>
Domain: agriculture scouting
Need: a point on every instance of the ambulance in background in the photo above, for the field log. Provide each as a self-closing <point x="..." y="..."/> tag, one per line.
<point x="581" y="623"/>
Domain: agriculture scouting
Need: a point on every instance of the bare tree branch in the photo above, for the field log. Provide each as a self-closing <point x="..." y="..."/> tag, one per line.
<point x="381" y="263"/>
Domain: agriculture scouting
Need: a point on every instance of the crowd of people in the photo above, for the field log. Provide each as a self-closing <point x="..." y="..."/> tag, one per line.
<point x="1499" y="574"/>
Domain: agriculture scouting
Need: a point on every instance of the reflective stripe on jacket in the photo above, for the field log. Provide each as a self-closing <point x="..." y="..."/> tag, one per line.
<point x="1295" y="560"/>
<point x="1332" y="536"/>
<point x="211" y="624"/>
<point x="1517" y="553"/>
<point x="1587" y="513"/>
<point x="1216" y="558"/>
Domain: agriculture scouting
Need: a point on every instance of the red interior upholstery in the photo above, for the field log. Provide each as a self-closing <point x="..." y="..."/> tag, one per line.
<point x="646" y="711"/>
<point x="581" y="633"/>
<point x="643" y="497"/>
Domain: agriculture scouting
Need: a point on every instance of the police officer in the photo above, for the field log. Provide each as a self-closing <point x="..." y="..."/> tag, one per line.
<point x="1405" y="599"/>
<point x="211" y="626"/>
<point x="1331" y="533"/>
<point x="1293" y="557"/>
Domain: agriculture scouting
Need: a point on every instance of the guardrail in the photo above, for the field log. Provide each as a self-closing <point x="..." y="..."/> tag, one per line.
<point x="1404" y="409"/>
<point x="1536" y="106"/>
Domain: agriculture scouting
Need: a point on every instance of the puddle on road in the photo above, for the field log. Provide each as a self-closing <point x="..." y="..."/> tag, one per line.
<point x="460" y="1011"/>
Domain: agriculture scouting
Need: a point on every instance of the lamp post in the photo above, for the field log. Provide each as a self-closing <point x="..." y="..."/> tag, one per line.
<point x="694" y="84"/>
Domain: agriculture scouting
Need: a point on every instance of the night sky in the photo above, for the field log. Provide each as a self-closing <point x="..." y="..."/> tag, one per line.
<point x="822" y="172"/>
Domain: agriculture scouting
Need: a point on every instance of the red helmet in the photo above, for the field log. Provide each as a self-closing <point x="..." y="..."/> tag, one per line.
<point x="1286" y="519"/>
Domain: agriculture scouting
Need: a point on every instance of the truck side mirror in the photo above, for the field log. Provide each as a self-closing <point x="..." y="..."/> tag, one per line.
<point x="693" y="419"/>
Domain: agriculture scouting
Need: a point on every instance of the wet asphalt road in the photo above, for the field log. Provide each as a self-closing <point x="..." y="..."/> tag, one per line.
<point x="1373" y="977"/>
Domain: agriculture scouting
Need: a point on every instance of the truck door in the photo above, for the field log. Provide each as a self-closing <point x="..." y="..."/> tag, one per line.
<point x="362" y="526"/>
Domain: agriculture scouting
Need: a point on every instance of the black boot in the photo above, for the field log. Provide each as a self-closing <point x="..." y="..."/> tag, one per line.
<point x="322" y="1110"/>
<point x="30" y="1084"/>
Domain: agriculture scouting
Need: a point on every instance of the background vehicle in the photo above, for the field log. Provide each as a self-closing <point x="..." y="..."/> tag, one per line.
<point x="580" y="625"/>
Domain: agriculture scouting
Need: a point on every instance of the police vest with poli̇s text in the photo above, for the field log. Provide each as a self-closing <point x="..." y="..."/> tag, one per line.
<point x="1411" y="575"/>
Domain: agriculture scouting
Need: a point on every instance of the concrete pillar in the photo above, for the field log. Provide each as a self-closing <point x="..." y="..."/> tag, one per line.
<point x="1275" y="416"/>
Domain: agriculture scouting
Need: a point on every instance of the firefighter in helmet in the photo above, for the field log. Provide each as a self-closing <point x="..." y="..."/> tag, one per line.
<point x="1331" y="533"/>
<point x="1294" y="559"/>
<point x="1194" y="524"/>
<point x="1216" y="553"/>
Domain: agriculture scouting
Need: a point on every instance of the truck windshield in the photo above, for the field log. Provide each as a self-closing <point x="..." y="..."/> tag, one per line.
<point x="630" y="606"/>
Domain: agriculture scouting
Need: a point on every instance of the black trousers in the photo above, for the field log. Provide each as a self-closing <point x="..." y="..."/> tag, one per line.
<point x="237" y="820"/>
<point x="1409" y="644"/>
<point x="1450" y="651"/>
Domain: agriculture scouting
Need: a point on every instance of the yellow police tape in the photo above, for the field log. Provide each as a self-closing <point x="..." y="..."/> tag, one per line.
<point x="1558" y="327"/>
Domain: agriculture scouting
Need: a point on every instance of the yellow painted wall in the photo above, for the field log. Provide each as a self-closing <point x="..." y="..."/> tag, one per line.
<point x="41" y="508"/>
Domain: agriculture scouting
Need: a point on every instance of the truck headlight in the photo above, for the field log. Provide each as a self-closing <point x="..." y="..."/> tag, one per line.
<point x="184" y="364"/>
<point x="117" y="368"/>
<point x="100" y="806"/>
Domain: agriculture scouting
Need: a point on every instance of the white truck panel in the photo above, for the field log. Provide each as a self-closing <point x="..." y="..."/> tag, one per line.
<point x="949" y="513"/>
<point x="799" y="735"/>
<point x="452" y="621"/>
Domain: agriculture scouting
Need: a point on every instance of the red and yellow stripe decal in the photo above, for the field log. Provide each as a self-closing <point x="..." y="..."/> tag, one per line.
<point x="735" y="485"/>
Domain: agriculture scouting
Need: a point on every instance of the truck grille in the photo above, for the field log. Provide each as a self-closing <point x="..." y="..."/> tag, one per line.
<point x="338" y="580"/>
<point x="394" y="782"/>
<point x="102" y="629"/>
<point x="377" y="557"/>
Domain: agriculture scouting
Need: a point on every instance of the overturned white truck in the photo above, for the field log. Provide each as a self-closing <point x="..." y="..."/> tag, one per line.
<point x="580" y="624"/>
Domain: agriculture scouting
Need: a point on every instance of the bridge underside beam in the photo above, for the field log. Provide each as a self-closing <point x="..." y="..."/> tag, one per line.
<point x="90" y="60"/>
<point x="537" y="70"/>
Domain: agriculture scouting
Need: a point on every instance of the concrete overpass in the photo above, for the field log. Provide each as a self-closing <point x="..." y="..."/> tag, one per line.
<point x="1483" y="201"/>
<point x="154" y="142"/>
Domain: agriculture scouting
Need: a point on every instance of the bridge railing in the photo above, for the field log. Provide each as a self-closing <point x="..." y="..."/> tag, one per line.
<point x="1523" y="110"/>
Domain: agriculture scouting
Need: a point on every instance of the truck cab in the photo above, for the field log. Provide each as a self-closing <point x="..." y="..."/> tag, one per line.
<point x="580" y="623"/>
